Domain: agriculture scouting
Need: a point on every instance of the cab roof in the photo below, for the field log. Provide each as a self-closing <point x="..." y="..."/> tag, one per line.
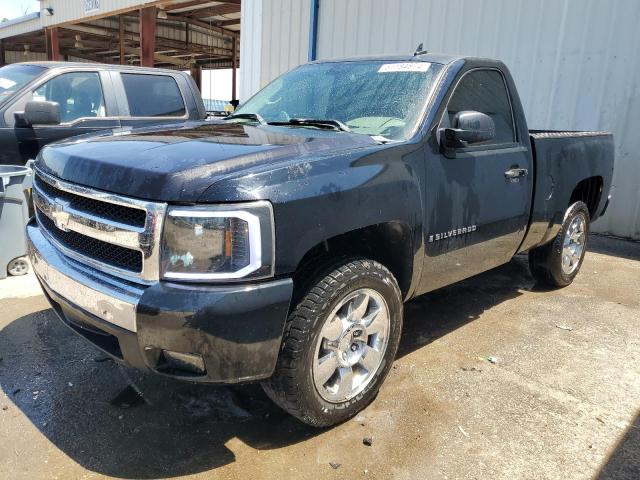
<point x="441" y="58"/>
<point x="103" y="66"/>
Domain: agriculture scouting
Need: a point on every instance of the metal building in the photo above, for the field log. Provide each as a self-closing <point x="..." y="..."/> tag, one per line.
<point x="576" y="62"/>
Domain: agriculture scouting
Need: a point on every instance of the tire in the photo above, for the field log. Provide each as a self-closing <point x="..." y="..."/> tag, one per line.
<point x="308" y="352"/>
<point x="546" y="262"/>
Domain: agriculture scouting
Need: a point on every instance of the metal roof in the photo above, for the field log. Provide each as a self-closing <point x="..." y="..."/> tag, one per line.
<point x="24" y="18"/>
<point x="188" y="32"/>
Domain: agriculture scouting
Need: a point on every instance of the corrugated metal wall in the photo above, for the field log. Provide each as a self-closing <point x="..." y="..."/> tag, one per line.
<point x="251" y="45"/>
<point x="196" y="35"/>
<point x="18" y="26"/>
<point x="285" y="36"/>
<point x="576" y="62"/>
<point x="72" y="10"/>
<point x="12" y="56"/>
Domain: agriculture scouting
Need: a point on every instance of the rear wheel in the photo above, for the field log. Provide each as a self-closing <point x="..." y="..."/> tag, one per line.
<point x="339" y="343"/>
<point x="557" y="263"/>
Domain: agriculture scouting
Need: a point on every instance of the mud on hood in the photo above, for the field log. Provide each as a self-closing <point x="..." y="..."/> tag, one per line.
<point x="179" y="162"/>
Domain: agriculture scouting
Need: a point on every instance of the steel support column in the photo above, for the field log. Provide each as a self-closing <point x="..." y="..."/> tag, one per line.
<point x="196" y="73"/>
<point x="234" y="66"/>
<point x="121" y="40"/>
<point x="53" y="47"/>
<point x="147" y="36"/>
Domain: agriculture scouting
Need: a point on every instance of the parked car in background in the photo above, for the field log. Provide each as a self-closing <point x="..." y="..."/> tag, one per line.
<point x="41" y="102"/>
<point x="280" y="244"/>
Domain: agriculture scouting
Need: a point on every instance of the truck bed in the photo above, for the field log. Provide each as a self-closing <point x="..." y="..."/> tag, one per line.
<point x="564" y="133"/>
<point x="567" y="158"/>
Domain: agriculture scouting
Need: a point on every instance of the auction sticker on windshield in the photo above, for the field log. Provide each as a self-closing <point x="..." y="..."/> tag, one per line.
<point x="6" y="83"/>
<point x="404" y="67"/>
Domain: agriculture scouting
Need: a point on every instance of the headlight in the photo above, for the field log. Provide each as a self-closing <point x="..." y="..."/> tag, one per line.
<point x="221" y="242"/>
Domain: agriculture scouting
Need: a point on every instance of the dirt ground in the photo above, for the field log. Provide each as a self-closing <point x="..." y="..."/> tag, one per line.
<point x="560" y="398"/>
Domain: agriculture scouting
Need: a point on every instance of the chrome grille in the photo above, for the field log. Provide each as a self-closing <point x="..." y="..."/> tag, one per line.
<point x="112" y="255"/>
<point x="115" y="234"/>
<point x="109" y="211"/>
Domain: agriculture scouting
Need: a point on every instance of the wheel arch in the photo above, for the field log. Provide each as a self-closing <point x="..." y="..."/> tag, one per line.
<point x="389" y="243"/>
<point x="589" y="191"/>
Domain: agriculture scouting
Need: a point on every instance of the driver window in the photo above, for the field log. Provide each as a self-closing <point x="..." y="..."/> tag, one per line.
<point x="484" y="91"/>
<point x="78" y="93"/>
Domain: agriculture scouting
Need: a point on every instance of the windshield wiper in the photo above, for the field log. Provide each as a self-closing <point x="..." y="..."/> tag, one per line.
<point x="312" y="122"/>
<point x="248" y="116"/>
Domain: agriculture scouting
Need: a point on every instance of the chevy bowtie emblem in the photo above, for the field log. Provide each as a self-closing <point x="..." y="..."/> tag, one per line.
<point x="60" y="216"/>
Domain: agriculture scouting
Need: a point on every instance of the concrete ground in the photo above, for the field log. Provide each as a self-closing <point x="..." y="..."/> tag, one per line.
<point x="561" y="401"/>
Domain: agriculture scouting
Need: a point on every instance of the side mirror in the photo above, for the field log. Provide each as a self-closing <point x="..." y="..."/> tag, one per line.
<point x="469" y="127"/>
<point x="41" y="112"/>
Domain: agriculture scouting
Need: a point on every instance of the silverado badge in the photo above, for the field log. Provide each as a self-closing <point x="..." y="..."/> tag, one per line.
<point x="452" y="233"/>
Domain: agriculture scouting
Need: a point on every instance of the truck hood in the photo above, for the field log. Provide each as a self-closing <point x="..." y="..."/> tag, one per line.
<point x="177" y="163"/>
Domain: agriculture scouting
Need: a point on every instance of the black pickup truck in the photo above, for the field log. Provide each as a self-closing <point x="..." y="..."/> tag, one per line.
<point x="280" y="244"/>
<point x="41" y="102"/>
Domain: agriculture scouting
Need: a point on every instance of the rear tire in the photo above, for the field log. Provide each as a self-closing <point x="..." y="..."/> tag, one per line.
<point x="338" y="346"/>
<point x="557" y="263"/>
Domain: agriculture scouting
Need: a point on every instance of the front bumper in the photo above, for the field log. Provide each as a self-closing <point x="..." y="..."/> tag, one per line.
<point x="231" y="334"/>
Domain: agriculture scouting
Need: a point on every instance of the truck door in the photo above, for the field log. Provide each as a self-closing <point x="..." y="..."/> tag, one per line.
<point x="82" y="110"/>
<point x="151" y="99"/>
<point x="477" y="197"/>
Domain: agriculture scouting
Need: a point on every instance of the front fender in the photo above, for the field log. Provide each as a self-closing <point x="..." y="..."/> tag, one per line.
<point x="318" y="199"/>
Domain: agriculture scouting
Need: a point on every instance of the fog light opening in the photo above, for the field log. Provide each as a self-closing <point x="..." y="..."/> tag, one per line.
<point x="179" y="363"/>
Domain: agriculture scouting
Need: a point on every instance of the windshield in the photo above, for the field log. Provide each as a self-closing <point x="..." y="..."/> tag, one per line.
<point x="14" y="77"/>
<point x="370" y="97"/>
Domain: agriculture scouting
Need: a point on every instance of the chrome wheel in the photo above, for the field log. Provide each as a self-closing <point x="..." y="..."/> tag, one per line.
<point x="351" y="345"/>
<point x="18" y="266"/>
<point x="573" y="244"/>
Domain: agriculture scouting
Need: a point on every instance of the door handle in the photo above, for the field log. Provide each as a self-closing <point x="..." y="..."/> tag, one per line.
<point x="516" y="173"/>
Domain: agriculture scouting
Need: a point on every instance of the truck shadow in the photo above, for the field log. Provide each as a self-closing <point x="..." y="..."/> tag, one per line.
<point x="65" y="387"/>
<point x="435" y="314"/>
<point x="624" y="461"/>
<point x="617" y="247"/>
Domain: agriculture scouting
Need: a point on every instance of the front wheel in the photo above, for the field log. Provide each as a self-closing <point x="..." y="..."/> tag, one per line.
<point x="339" y="343"/>
<point x="18" y="266"/>
<point x="557" y="263"/>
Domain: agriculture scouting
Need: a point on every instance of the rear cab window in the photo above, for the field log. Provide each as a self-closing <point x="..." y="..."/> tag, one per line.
<point x="153" y="95"/>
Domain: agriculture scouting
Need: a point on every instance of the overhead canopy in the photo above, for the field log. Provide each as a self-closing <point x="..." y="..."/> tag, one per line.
<point x="186" y="34"/>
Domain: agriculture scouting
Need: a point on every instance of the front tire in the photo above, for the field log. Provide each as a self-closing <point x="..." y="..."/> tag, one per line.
<point x="557" y="263"/>
<point x="339" y="343"/>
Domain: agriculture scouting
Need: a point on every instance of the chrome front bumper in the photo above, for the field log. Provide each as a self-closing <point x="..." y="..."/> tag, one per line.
<point x="108" y="298"/>
<point x="235" y="331"/>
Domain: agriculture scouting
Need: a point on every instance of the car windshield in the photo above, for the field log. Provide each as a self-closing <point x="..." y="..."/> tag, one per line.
<point x="375" y="98"/>
<point x="14" y="77"/>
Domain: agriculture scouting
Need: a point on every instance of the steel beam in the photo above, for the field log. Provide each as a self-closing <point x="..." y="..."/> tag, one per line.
<point x="196" y="3"/>
<point x="53" y="47"/>
<point x="196" y="73"/>
<point x="147" y="36"/>
<point x="121" y="40"/>
<point x="234" y="66"/>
